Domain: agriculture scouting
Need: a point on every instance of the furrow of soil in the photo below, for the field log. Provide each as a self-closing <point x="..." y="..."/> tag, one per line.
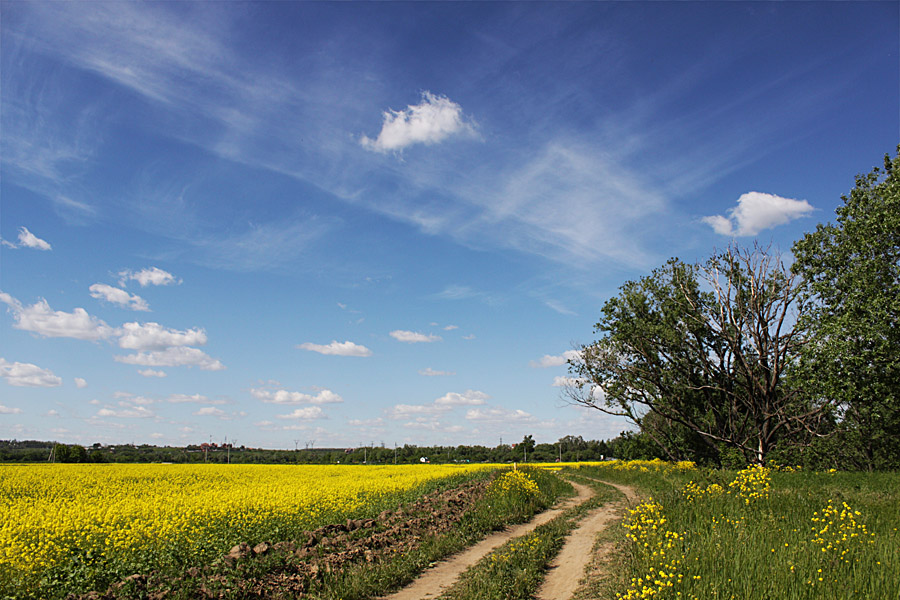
<point x="438" y="578"/>
<point x="567" y="569"/>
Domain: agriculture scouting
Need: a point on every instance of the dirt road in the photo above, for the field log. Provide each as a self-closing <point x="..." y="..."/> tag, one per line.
<point x="567" y="569"/>
<point x="563" y="577"/>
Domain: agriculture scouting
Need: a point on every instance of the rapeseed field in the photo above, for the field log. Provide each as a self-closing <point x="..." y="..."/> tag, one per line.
<point x="64" y="521"/>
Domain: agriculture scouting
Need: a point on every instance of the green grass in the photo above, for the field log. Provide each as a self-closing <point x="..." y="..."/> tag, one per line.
<point x="770" y="547"/>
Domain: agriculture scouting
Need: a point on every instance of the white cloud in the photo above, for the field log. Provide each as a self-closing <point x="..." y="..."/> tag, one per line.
<point x="149" y="276"/>
<point x="429" y="372"/>
<point x="52" y="413"/>
<point x="402" y="411"/>
<point x="468" y="398"/>
<point x="28" y="240"/>
<point x="195" y="399"/>
<point x="305" y="414"/>
<point x="39" y="318"/>
<point x="413" y="337"/>
<point x="336" y="348"/>
<point x="153" y="336"/>
<point x="497" y="414"/>
<point x="135" y="412"/>
<point x="6" y="410"/>
<point x="173" y="357"/>
<point x="80" y="383"/>
<point x="756" y="211"/>
<point x="562" y="381"/>
<point x="152" y="373"/>
<point x="554" y="361"/>
<point x="27" y="375"/>
<point x="210" y="411"/>
<point x="157" y="436"/>
<point x="451" y="327"/>
<point x="433" y="120"/>
<point x="286" y="397"/>
<point x="101" y="291"/>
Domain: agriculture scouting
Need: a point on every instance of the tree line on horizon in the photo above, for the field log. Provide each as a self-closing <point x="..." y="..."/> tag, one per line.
<point x="570" y="448"/>
<point x="742" y="358"/>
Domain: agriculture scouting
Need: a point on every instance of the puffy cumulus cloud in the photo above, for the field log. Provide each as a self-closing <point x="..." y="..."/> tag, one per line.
<point x="6" y="410"/>
<point x="429" y="372"/>
<point x="153" y="336"/>
<point x="39" y="318"/>
<point x="28" y="240"/>
<point x="431" y="121"/>
<point x="497" y="414"/>
<point x="467" y="398"/>
<point x="451" y="327"/>
<point x="549" y="360"/>
<point x="425" y="424"/>
<point x="336" y="348"/>
<point x="211" y="411"/>
<point x="27" y="375"/>
<point x="133" y="412"/>
<point x="308" y="413"/>
<point x="114" y="295"/>
<point x="756" y="211"/>
<point x="149" y="276"/>
<point x="405" y="411"/>
<point x="181" y="356"/>
<point x="285" y="397"/>
<point x="195" y="399"/>
<point x="562" y="381"/>
<point x="413" y="337"/>
<point x="152" y="373"/>
<point x="80" y="383"/>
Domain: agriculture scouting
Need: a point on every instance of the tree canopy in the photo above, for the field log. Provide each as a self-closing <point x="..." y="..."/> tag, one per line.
<point x="851" y="272"/>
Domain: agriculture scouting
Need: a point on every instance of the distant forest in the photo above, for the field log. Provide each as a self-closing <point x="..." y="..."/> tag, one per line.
<point x="626" y="446"/>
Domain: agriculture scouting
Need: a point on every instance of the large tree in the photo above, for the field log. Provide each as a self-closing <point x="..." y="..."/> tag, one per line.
<point x="698" y="355"/>
<point x="852" y="272"/>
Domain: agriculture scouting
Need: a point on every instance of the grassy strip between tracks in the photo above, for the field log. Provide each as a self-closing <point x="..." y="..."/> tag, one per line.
<point x="516" y="569"/>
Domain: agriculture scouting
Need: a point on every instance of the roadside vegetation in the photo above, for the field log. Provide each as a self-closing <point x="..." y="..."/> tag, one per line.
<point x="757" y="533"/>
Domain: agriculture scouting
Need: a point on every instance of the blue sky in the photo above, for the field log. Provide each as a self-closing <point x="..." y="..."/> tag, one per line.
<point x="343" y="224"/>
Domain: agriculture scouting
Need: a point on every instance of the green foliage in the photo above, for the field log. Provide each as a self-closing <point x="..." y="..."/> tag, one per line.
<point x="698" y="356"/>
<point x="852" y="270"/>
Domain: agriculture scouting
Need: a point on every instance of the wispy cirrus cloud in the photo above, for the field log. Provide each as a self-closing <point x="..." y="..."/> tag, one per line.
<point x="429" y="372"/>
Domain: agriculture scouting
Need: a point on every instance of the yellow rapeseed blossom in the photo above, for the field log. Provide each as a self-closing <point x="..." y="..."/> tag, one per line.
<point x="115" y="513"/>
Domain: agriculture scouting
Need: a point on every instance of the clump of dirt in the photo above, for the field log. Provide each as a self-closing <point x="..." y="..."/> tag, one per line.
<point x="287" y="568"/>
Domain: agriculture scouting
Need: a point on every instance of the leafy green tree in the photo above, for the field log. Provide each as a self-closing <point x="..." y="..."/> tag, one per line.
<point x="852" y="271"/>
<point x="698" y="355"/>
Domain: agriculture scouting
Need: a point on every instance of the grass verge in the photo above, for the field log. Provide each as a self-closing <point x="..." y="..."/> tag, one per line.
<point x="757" y="534"/>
